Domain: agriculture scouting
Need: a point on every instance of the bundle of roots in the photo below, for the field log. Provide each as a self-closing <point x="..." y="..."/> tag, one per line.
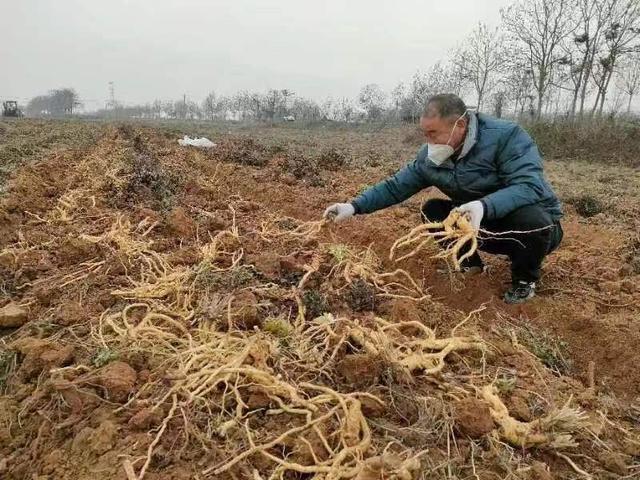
<point x="452" y="234"/>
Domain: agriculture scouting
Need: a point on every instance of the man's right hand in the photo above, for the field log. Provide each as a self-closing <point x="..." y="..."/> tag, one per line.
<point x="339" y="212"/>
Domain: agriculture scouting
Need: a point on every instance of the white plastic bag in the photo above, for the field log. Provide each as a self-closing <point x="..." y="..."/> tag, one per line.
<point x="201" y="142"/>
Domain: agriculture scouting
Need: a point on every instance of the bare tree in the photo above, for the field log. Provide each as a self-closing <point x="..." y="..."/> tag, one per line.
<point x="57" y="103"/>
<point x="397" y="95"/>
<point x="480" y="60"/>
<point x="518" y="83"/>
<point x="629" y="78"/>
<point x="305" y="109"/>
<point x="621" y="37"/>
<point x="438" y="79"/>
<point x="372" y="98"/>
<point x="540" y="27"/>
<point x="499" y="101"/>
<point x="209" y="106"/>
<point x="581" y="52"/>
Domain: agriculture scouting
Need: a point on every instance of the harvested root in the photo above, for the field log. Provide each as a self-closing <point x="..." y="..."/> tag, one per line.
<point x="397" y="343"/>
<point x="213" y="374"/>
<point x="365" y="265"/>
<point x="288" y="227"/>
<point x="452" y="234"/>
<point x="552" y="431"/>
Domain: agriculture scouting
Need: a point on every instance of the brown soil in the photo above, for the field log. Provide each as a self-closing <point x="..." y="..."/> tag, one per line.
<point x="72" y="408"/>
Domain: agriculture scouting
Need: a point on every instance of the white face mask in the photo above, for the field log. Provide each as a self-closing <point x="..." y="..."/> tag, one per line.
<point x="439" y="153"/>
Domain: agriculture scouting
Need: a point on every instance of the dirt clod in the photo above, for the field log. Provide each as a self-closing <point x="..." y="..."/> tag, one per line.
<point x="13" y="316"/>
<point x="246" y="315"/>
<point x="180" y="223"/>
<point x="144" y="419"/>
<point x="360" y="370"/>
<point x="519" y="409"/>
<point x="472" y="417"/>
<point x="41" y="355"/>
<point x="118" y="380"/>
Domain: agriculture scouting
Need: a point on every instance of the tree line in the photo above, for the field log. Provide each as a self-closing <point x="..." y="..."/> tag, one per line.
<point x="568" y="58"/>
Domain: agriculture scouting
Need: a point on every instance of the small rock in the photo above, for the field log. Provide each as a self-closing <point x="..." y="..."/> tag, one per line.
<point x="12" y="316"/>
<point x="473" y="418"/>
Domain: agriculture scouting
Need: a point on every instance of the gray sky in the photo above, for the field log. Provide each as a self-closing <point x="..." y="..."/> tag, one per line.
<point x="163" y="48"/>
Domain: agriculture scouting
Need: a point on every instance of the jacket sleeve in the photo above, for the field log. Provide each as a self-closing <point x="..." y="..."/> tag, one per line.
<point x="409" y="180"/>
<point x="520" y="170"/>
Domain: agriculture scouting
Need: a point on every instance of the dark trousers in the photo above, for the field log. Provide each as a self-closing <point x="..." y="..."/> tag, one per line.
<point x="526" y="250"/>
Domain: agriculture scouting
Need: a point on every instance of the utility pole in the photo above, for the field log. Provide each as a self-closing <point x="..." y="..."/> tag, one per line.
<point x="184" y="105"/>
<point x="111" y="103"/>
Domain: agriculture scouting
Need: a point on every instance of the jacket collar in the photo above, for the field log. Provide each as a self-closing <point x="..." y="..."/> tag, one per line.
<point x="472" y="135"/>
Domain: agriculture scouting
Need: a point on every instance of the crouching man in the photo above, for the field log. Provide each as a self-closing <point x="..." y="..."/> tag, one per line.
<point x="492" y="171"/>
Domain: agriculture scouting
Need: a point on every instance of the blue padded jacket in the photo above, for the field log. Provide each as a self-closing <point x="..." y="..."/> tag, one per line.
<point x="499" y="165"/>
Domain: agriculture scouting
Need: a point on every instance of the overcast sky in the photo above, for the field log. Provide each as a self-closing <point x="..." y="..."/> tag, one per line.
<point x="163" y="48"/>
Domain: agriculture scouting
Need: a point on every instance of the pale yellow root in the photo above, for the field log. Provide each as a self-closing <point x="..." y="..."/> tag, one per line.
<point x="205" y="362"/>
<point x="454" y="232"/>
<point x="552" y="431"/>
<point x="409" y="352"/>
<point x="303" y="231"/>
<point x="365" y="266"/>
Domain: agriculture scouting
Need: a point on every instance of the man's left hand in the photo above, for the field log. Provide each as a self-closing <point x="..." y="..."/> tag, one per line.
<point x="474" y="211"/>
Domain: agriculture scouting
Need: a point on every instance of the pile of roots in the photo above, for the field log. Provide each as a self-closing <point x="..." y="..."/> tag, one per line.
<point x="167" y="326"/>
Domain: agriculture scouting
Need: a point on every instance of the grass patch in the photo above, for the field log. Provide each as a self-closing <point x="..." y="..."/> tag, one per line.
<point x="587" y="206"/>
<point x="104" y="356"/>
<point x="315" y="303"/>
<point x="550" y="349"/>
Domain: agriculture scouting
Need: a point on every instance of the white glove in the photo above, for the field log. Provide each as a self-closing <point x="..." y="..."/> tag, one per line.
<point x="474" y="211"/>
<point x="339" y="211"/>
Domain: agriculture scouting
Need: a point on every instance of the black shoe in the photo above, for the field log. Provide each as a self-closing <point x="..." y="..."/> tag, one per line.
<point x="520" y="292"/>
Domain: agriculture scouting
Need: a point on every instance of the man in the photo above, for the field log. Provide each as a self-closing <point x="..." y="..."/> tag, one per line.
<point x="492" y="171"/>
